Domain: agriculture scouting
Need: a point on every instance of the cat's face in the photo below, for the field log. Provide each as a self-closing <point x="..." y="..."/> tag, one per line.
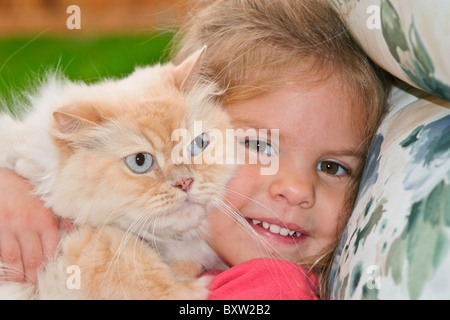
<point x="120" y="156"/>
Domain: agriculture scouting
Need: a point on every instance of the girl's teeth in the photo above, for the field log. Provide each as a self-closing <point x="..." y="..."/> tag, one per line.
<point x="276" y="228"/>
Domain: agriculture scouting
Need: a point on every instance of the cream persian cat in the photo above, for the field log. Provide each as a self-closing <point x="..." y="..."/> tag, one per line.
<point x="100" y="155"/>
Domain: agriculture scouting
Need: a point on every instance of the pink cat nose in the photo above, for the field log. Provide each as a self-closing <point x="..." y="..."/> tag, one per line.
<point x="183" y="183"/>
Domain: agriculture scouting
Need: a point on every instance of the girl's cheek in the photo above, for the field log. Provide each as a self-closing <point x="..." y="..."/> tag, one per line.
<point x="332" y="215"/>
<point x="244" y="183"/>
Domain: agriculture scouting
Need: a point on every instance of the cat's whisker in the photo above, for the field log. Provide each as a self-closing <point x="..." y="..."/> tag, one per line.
<point x="11" y="270"/>
<point x="242" y="196"/>
<point x="262" y="243"/>
<point x="134" y="232"/>
<point x="264" y="246"/>
<point x="115" y="261"/>
<point x="109" y="274"/>
<point x="142" y="245"/>
<point x="238" y="194"/>
<point x="141" y="224"/>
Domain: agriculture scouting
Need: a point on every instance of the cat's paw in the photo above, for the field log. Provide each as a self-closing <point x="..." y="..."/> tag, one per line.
<point x="200" y="288"/>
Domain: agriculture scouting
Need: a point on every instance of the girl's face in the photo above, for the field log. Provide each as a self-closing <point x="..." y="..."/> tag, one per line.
<point x="290" y="214"/>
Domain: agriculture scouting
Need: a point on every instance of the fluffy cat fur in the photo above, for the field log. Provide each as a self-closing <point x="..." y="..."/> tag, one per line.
<point x="138" y="236"/>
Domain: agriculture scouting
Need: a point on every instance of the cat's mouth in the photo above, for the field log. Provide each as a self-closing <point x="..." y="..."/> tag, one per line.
<point x="189" y="209"/>
<point x="184" y="217"/>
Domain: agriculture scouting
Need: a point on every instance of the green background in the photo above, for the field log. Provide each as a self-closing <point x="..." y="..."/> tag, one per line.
<point x="26" y="59"/>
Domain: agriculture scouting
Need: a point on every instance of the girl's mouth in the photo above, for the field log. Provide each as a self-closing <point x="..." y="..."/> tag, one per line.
<point x="274" y="228"/>
<point x="275" y="231"/>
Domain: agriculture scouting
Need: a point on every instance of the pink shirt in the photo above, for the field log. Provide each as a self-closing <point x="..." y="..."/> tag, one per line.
<point x="263" y="279"/>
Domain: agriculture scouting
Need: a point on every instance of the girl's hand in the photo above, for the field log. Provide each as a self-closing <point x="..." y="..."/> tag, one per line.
<point x="29" y="232"/>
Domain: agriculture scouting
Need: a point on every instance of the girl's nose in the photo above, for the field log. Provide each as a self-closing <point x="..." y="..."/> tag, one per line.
<point x="293" y="188"/>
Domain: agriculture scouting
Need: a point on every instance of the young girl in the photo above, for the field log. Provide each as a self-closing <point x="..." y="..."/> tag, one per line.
<point x="285" y="65"/>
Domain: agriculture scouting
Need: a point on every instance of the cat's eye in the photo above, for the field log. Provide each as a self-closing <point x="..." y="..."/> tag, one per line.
<point x="332" y="168"/>
<point x="140" y="162"/>
<point x="260" y="146"/>
<point x="198" y="144"/>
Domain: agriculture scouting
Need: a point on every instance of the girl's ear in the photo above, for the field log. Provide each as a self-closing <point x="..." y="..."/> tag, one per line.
<point x="72" y="119"/>
<point x="188" y="68"/>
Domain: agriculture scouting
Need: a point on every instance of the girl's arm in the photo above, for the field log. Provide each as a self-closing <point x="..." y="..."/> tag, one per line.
<point x="25" y="241"/>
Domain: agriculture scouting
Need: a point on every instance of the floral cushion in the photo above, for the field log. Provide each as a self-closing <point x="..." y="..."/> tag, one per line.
<point x="408" y="38"/>
<point x="396" y="244"/>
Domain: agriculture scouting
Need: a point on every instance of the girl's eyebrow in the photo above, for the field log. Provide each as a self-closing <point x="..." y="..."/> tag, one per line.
<point x="354" y="153"/>
<point x="251" y="125"/>
<point x="248" y="123"/>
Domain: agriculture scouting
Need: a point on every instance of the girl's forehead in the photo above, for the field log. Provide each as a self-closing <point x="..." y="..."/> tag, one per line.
<point x="291" y="101"/>
<point x="323" y="109"/>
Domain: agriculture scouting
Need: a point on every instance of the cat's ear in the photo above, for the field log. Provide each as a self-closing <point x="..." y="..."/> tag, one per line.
<point x="72" y="119"/>
<point x="188" y="68"/>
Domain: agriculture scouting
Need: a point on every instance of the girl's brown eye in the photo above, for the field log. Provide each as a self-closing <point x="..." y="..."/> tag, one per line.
<point x="332" y="168"/>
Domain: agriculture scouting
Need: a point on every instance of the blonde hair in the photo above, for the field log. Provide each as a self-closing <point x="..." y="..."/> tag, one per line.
<point x="257" y="46"/>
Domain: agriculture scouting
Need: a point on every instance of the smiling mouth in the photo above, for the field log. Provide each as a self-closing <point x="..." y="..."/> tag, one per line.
<point x="276" y="229"/>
